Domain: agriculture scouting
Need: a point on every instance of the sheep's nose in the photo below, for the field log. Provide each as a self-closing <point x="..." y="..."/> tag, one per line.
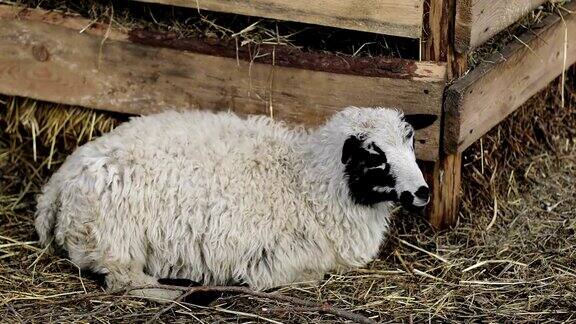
<point x="423" y="193"/>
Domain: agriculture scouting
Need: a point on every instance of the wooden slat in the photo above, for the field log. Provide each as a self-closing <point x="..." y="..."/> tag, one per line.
<point x="437" y="32"/>
<point x="479" y="20"/>
<point x="494" y="89"/>
<point x="444" y="176"/>
<point x="391" y="17"/>
<point x="43" y="56"/>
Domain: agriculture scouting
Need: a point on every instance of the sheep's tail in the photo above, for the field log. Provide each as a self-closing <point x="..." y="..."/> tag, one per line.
<point x="47" y="208"/>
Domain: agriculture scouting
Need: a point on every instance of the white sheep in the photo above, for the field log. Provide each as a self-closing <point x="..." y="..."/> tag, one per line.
<point x="218" y="199"/>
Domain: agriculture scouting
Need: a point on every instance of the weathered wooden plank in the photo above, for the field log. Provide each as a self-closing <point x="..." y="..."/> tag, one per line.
<point x="494" y="89"/>
<point x="391" y="17"/>
<point x="45" y="57"/>
<point x="479" y="20"/>
<point x="445" y="175"/>
<point x="436" y="25"/>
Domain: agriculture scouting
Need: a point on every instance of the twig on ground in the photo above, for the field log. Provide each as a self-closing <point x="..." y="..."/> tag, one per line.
<point x="304" y="305"/>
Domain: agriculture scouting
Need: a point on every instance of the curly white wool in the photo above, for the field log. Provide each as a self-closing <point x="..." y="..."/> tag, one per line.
<point x="216" y="199"/>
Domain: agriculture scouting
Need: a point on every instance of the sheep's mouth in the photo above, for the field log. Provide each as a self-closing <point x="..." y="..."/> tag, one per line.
<point x="408" y="202"/>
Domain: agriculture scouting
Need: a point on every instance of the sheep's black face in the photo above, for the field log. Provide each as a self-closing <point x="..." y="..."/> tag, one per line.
<point x="367" y="171"/>
<point x="382" y="166"/>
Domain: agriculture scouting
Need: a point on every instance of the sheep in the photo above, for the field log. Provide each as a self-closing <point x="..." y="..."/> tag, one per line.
<point x="219" y="199"/>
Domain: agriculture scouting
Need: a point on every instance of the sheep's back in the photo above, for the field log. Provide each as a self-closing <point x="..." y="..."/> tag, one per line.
<point x="183" y="179"/>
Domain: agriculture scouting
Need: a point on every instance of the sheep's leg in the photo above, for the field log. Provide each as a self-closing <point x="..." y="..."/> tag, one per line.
<point x="119" y="278"/>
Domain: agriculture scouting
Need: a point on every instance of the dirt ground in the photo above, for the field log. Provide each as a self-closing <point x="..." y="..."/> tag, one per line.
<point x="511" y="257"/>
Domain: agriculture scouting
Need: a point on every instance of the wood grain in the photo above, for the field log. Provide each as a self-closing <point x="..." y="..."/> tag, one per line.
<point x="437" y="32"/>
<point x="479" y="20"/>
<point x="391" y="17"/>
<point x="46" y="58"/>
<point x="445" y="175"/>
<point x="494" y="89"/>
<point x="446" y="184"/>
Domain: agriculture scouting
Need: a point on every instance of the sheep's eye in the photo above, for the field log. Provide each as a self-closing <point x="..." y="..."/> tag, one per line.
<point x="375" y="149"/>
<point x="410" y="135"/>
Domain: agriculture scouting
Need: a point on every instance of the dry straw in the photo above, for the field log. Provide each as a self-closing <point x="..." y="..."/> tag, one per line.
<point x="513" y="263"/>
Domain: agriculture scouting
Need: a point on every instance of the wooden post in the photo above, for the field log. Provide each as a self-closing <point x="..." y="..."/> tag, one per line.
<point x="446" y="174"/>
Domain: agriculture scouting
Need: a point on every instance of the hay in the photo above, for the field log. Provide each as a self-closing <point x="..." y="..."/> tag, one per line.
<point x="514" y="263"/>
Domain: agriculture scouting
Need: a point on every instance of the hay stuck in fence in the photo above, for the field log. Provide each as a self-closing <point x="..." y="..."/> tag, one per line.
<point x="223" y="28"/>
<point x="526" y="24"/>
<point x="254" y="32"/>
<point x="510" y="258"/>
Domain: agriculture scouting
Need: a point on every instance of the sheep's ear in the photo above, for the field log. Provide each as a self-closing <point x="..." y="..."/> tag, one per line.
<point x="419" y="121"/>
<point x="351" y="146"/>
